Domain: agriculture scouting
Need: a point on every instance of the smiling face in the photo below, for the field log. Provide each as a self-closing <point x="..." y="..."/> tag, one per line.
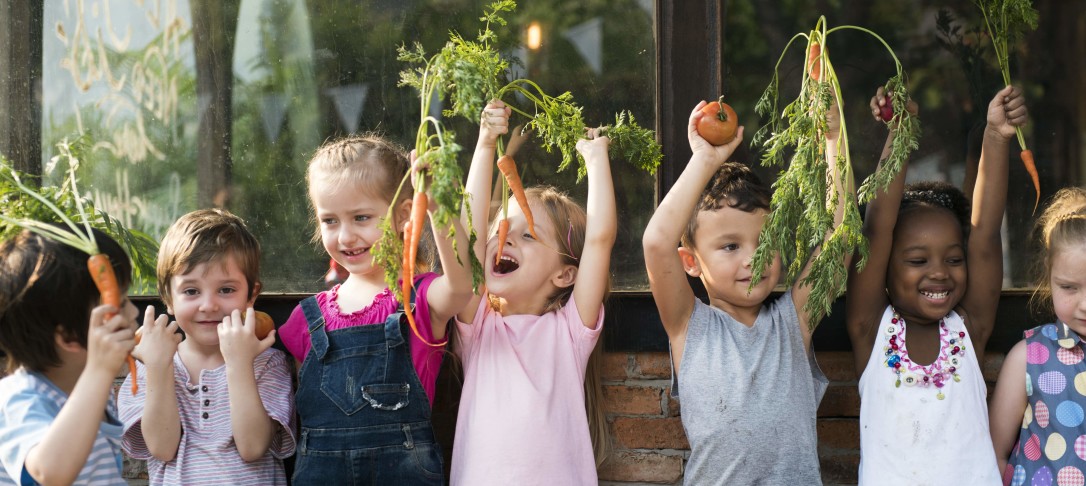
<point x="724" y="245"/>
<point x="530" y="271"/>
<point x="348" y="218"/>
<point x="927" y="275"/>
<point x="206" y="294"/>
<point x="1068" y="280"/>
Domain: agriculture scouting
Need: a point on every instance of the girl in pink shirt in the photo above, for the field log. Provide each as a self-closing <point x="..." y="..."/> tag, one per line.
<point x="522" y="414"/>
<point x="366" y="381"/>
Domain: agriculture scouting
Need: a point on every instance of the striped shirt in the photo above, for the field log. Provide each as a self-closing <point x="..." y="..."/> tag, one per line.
<point x="207" y="453"/>
<point x="29" y="403"/>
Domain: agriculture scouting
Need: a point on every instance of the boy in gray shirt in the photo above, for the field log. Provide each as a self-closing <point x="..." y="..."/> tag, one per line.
<point x="743" y="369"/>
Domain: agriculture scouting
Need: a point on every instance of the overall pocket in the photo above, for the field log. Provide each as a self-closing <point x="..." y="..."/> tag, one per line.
<point x="345" y="371"/>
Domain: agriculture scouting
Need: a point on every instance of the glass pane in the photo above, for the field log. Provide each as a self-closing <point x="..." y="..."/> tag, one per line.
<point x="952" y="77"/>
<point x="199" y="104"/>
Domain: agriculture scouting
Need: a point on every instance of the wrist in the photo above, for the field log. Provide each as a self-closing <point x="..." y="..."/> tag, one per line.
<point x="485" y="144"/>
<point x="991" y="134"/>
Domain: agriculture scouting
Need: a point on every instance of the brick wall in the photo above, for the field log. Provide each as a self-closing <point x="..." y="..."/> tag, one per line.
<point x="650" y="446"/>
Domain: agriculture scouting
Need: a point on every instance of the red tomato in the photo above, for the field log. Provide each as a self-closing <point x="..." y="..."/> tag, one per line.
<point x="887" y="110"/>
<point x="719" y="124"/>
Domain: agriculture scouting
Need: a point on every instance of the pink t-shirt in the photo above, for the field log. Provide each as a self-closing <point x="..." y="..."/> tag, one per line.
<point x="522" y="418"/>
<point x="427" y="359"/>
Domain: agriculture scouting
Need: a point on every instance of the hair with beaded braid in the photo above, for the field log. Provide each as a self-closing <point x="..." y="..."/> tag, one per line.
<point x="936" y="194"/>
<point x="733" y="184"/>
<point x="1062" y="225"/>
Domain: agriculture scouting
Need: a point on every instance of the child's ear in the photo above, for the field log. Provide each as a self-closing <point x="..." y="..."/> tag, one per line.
<point x="254" y="294"/>
<point x="690" y="262"/>
<point x="565" y="278"/>
<point x="66" y="343"/>
<point x="403" y="213"/>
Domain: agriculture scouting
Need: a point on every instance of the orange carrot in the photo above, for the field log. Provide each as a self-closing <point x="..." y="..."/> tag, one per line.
<point x="106" y="280"/>
<point x="409" y="274"/>
<point x="814" y="62"/>
<point x="503" y="234"/>
<point x="509" y="169"/>
<point x="418" y="219"/>
<point x="1031" y="168"/>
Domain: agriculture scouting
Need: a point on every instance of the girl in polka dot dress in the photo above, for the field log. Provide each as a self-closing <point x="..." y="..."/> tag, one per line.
<point x="1037" y="409"/>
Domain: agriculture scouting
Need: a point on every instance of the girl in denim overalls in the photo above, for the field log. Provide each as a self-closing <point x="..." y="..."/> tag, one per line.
<point x="1037" y="419"/>
<point x="525" y="343"/>
<point x="366" y="381"/>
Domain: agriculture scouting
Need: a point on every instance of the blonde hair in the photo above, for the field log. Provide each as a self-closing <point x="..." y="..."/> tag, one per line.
<point x="1063" y="224"/>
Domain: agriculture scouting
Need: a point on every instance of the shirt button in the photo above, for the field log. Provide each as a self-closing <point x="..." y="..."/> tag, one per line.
<point x="204" y="415"/>
<point x="203" y="388"/>
<point x="207" y="402"/>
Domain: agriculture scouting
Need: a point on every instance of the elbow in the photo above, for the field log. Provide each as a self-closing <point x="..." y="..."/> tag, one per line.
<point x="164" y="454"/>
<point x="654" y="245"/>
<point x="45" y="477"/>
<point x="251" y="454"/>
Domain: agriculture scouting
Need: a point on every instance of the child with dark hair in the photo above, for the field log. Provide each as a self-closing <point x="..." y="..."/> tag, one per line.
<point x="734" y="359"/>
<point x="58" y="422"/>
<point x="216" y="408"/>
<point x="920" y="314"/>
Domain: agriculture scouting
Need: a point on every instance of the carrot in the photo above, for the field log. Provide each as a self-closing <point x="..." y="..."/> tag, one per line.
<point x="814" y="62"/>
<point x="106" y="280"/>
<point x="509" y="169"/>
<point x="418" y="219"/>
<point x="408" y="280"/>
<point x="1031" y="168"/>
<point x="503" y="234"/>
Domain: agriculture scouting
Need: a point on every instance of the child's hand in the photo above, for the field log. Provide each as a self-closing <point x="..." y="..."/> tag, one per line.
<point x="699" y="145"/>
<point x="879" y="101"/>
<point x="517" y="137"/>
<point x="493" y="122"/>
<point x="237" y="339"/>
<point x="593" y="147"/>
<point x="158" y="340"/>
<point x="109" y="341"/>
<point x="1006" y="111"/>
<point x="833" y="122"/>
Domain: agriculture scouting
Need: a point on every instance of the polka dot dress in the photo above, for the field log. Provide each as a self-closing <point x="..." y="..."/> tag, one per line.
<point x="1051" y="447"/>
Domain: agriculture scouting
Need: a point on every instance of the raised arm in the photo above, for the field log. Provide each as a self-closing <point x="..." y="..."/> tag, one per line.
<point x="494" y="121"/>
<point x="866" y="298"/>
<point x="450" y="291"/>
<point x="667" y="277"/>
<point x="1008" y="404"/>
<point x="252" y="427"/>
<point x="594" y="268"/>
<point x="985" y="257"/>
<point x="841" y="183"/>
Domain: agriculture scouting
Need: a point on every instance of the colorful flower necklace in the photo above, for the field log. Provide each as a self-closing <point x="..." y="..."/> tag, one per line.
<point x="939" y="372"/>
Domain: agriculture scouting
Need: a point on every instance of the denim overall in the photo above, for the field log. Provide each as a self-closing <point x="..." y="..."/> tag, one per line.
<point x="365" y="418"/>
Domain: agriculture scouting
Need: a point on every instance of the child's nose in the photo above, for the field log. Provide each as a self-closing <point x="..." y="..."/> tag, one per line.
<point x="209" y="304"/>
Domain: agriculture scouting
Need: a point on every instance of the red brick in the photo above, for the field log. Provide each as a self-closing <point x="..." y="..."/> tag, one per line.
<point x="649" y="433"/>
<point x="673" y="408"/>
<point x="837" y="365"/>
<point x="632" y="400"/>
<point x="840" y="468"/>
<point x="837" y="434"/>
<point x="653" y="365"/>
<point x="647" y="467"/>
<point x="615" y="366"/>
<point x="840" y="401"/>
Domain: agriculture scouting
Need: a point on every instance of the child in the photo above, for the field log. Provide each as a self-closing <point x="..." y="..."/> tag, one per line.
<point x="366" y="381"/>
<point x="743" y="369"/>
<point x="918" y="329"/>
<point x="58" y="422"/>
<point x="522" y="417"/>
<point x="1036" y="416"/>
<point x="216" y="408"/>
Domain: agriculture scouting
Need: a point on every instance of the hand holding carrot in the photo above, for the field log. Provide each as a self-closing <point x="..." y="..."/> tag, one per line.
<point x="593" y="147"/>
<point x="882" y="107"/>
<point x="1006" y="111"/>
<point x="237" y="339"/>
<point x="110" y="338"/>
<point x="158" y="340"/>
<point x="493" y="122"/>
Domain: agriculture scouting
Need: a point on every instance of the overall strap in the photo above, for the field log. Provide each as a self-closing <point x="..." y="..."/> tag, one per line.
<point x="315" y="320"/>
<point x="393" y="335"/>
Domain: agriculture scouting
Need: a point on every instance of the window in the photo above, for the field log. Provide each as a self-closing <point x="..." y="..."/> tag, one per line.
<point x="198" y="104"/>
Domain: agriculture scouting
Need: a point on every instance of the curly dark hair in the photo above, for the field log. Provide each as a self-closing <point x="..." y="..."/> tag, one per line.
<point x="937" y="194"/>
<point x="737" y="186"/>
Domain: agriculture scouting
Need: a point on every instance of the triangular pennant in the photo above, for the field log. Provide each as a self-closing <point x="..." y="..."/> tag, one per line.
<point x="275" y="110"/>
<point x="349" y="100"/>
<point x="587" y="38"/>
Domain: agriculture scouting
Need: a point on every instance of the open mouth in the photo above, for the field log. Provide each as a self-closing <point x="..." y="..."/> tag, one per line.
<point x="354" y="253"/>
<point x="506" y="265"/>
<point x="935" y="295"/>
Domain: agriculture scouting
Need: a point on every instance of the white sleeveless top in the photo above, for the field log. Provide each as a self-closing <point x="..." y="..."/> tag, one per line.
<point x="908" y="435"/>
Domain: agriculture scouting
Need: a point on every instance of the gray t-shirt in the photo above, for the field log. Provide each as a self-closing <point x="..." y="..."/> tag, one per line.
<point x="749" y="397"/>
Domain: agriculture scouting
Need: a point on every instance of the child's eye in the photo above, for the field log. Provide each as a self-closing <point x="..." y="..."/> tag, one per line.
<point x="362" y="218"/>
<point x="190" y="292"/>
<point x="527" y="236"/>
<point x="955" y="261"/>
<point x="227" y="290"/>
<point x="916" y="262"/>
<point x="328" y="221"/>
<point x="730" y="247"/>
<point x="1068" y="288"/>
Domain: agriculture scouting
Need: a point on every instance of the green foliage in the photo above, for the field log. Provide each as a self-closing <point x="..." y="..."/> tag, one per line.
<point x="19" y="207"/>
<point x="638" y="144"/>
<point x="804" y="202"/>
<point x="1007" y="21"/>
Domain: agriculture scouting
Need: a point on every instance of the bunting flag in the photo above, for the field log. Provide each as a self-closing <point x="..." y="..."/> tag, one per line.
<point x="349" y="100"/>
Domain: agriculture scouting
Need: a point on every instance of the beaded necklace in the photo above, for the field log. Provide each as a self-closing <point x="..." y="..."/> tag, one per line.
<point x="939" y="372"/>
